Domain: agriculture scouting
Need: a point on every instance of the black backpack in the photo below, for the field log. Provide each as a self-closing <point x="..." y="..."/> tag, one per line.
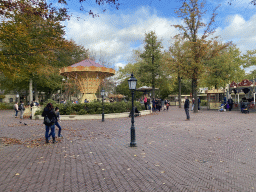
<point x="21" y="107"/>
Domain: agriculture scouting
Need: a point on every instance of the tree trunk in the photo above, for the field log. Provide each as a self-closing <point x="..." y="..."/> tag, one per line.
<point x="36" y="92"/>
<point x="179" y="80"/>
<point x="192" y="90"/>
<point x="30" y="91"/>
<point x="153" y="87"/>
<point x="194" y="86"/>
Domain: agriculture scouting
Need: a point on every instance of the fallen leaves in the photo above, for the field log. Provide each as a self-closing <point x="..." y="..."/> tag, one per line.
<point x="10" y="141"/>
<point x="28" y="143"/>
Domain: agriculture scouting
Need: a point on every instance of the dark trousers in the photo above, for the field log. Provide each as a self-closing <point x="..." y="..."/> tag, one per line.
<point x="146" y="106"/>
<point x="47" y="129"/>
<point x="58" y="125"/>
<point x="187" y="113"/>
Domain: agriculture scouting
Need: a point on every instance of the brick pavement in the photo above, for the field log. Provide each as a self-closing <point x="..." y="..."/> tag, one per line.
<point x="212" y="152"/>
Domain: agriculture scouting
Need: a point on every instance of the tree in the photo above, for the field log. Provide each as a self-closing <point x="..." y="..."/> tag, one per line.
<point x="150" y="69"/>
<point x="224" y="68"/>
<point x="201" y="48"/>
<point x="29" y="36"/>
<point x="123" y="88"/>
<point x="176" y="62"/>
<point x="33" y="45"/>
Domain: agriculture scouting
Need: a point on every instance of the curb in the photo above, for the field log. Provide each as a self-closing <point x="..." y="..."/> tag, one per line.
<point x="95" y="116"/>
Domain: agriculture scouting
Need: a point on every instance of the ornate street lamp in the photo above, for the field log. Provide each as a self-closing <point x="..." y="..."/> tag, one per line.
<point x="61" y="87"/>
<point x="102" y="94"/>
<point x="132" y="86"/>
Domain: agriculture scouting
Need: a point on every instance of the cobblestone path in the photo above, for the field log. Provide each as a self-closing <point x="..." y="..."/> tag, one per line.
<point x="212" y="152"/>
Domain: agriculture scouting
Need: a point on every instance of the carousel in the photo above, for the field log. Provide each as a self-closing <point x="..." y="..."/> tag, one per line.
<point x="88" y="75"/>
<point x="244" y="93"/>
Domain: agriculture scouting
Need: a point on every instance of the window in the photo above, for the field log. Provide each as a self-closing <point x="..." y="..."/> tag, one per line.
<point x="1" y="100"/>
<point x="11" y="100"/>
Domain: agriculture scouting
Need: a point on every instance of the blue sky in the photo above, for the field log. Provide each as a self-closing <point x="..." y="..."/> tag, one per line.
<point x="116" y="33"/>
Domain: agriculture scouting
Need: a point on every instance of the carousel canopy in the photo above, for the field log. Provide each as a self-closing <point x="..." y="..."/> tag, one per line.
<point x="87" y="63"/>
<point x="243" y="86"/>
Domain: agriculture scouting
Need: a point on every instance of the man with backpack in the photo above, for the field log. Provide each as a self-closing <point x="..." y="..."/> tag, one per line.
<point x="21" y="109"/>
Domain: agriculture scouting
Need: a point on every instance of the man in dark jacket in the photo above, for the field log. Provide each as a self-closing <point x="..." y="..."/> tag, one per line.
<point x="230" y="103"/>
<point x="186" y="107"/>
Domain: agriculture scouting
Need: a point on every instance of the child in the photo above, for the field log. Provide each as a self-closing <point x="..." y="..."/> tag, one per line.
<point x="57" y="121"/>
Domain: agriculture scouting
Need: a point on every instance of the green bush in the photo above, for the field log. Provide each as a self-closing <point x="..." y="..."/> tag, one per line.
<point x="39" y="112"/>
<point x="82" y="112"/>
<point x="4" y="106"/>
<point x="92" y="107"/>
<point x="203" y="102"/>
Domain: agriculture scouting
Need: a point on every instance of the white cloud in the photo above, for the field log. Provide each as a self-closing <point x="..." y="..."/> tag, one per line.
<point x="240" y="31"/>
<point x="114" y="36"/>
<point x="117" y="65"/>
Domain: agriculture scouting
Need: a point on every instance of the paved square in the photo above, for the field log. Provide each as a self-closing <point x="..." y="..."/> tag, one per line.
<point x="212" y="152"/>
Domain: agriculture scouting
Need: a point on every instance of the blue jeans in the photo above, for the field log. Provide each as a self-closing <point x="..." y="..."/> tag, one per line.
<point x="58" y="125"/>
<point x="187" y="113"/>
<point x="16" y="113"/>
<point x="47" y="128"/>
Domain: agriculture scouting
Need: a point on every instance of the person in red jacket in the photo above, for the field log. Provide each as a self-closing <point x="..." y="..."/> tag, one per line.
<point x="146" y="102"/>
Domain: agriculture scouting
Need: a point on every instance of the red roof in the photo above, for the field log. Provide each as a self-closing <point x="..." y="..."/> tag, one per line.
<point x="87" y="63"/>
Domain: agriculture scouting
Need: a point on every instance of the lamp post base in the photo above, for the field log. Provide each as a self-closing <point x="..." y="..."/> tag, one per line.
<point x="133" y="144"/>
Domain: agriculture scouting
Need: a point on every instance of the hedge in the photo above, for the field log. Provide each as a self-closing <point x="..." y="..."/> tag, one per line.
<point x="92" y="107"/>
<point x="4" y="106"/>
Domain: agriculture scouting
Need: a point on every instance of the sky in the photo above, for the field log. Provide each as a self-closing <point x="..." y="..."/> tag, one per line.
<point x="114" y="35"/>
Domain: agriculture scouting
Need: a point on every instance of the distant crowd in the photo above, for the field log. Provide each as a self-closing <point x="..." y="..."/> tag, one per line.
<point x="20" y="108"/>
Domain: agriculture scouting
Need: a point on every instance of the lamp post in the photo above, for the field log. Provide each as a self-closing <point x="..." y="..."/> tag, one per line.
<point x="61" y="87"/>
<point x="132" y="86"/>
<point x="102" y="94"/>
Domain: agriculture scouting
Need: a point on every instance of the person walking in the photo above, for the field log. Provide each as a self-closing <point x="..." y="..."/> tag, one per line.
<point x="186" y="107"/>
<point x="154" y="104"/>
<point x="145" y="102"/>
<point x="49" y="121"/>
<point x="193" y="104"/>
<point x="58" y="120"/>
<point x="16" y="109"/>
<point x="230" y="103"/>
<point x="199" y="101"/>
<point x="22" y="109"/>
<point x="167" y="105"/>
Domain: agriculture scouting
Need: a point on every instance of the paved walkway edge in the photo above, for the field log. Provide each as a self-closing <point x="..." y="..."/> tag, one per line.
<point x="96" y="116"/>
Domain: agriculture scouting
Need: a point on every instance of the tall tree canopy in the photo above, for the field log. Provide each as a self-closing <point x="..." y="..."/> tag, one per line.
<point x="201" y="48"/>
<point x="224" y="68"/>
<point x="150" y="68"/>
<point x="33" y="47"/>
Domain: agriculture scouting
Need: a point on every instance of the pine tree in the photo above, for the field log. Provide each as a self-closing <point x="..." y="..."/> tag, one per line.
<point x="150" y="68"/>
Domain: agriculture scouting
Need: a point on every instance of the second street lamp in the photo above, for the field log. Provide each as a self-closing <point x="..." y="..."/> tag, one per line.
<point x="102" y="94"/>
<point x="132" y="86"/>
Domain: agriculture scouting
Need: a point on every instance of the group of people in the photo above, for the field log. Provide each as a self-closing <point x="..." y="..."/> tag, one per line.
<point x="157" y="104"/>
<point x="51" y="119"/>
<point x="19" y="108"/>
